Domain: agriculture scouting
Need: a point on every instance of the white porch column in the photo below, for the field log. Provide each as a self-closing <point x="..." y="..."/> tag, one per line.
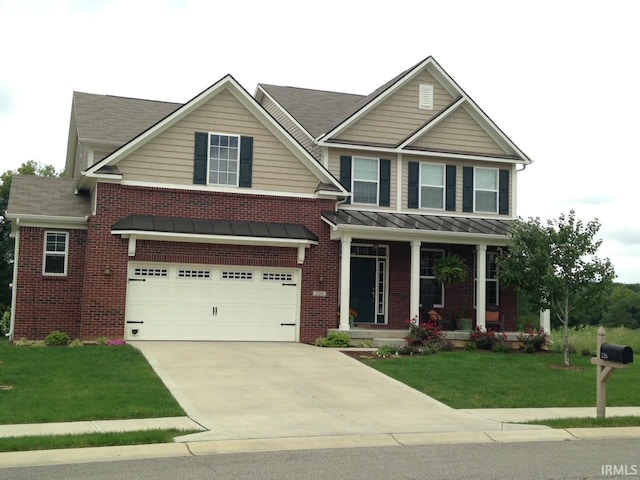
<point x="545" y="320"/>
<point x="345" y="282"/>
<point x="414" y="296"/>
<point x="481" y="288"/>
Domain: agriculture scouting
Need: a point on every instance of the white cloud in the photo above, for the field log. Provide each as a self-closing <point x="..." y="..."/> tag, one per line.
<point x="558" y="77"/>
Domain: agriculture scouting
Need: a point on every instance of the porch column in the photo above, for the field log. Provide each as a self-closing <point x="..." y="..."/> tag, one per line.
<point x="481" y="288"/>
<point x="345" y="282"/>
<point x="414" y="297"/>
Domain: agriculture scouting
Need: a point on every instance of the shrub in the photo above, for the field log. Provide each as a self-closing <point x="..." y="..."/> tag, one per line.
<point x="5" y="322"/>
<point x="57" y="338"/>
<point x="335" y="340"/>
<point x="101" y="341"/>
<point x="501" y="347"/>
<point x="470" y="347"/>
<point x="386" y="351"/>
<point x="76" y="342"/>
<point x="23" y="342"/>
<point x="486" y="339"/>
<point x="425" y="335"/>
<point x="587" y="352"/>
<point x="538" y="338"/>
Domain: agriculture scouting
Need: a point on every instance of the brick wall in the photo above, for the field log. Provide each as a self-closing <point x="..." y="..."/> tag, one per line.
<point x="48" y="303"/>
<point x="104" y="299"/>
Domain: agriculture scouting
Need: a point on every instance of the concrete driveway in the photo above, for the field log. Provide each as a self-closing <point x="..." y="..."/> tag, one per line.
<point x="243" y="390"/>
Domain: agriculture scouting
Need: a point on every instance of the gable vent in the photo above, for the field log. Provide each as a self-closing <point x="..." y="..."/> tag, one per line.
<point x="425" y="101"/>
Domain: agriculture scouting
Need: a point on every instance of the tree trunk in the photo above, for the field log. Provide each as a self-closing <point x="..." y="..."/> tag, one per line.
<point x="566" y="331"/>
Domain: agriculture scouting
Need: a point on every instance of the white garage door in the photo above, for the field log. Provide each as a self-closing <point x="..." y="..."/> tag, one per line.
<point x="205" y="302"/>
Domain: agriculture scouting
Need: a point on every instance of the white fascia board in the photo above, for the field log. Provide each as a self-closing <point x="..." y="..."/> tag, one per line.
<point x="422" y="153"/>
<point x="49" y="221"/>
<point x="443" y="115"/>
<point x="406" y="235"/>
<point x="217" y="239"/>
<point x="234" y="190"/>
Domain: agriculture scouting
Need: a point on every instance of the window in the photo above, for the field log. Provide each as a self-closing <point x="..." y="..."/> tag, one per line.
<point x="492" y="291"/>
<point x="223" y="159"/>
<point x="365" y="180"/>
<point x="486" y="190"/>
<point x="55" y="253"/>
<point x="432" y="186"/>
<point x="431" y="292"/>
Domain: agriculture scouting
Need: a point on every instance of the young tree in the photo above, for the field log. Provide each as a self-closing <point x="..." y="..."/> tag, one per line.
<point x="556" y="266"/>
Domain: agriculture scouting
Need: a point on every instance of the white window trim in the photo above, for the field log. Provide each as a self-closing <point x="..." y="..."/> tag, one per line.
<point x="443" y="186"/>
<point x="425" y="100"/>
<point x="354" y="179"/>
<point x="476" y="189"/>
<point x="440" y="305"/>
<point x="45" y="253"/>
<point x="209" y="159"/>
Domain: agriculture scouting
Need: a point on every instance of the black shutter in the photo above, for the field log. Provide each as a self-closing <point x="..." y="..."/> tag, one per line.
<point x="385" y="183"/>
<point x="200" y="158"/>
<point x="246" y="161"/>
<point x="451" y="188"/>
<point x="503" y="193"/>
<point x="467" y="189"/>
<point x="345" y="174"/>
<point x="414" y="184"/>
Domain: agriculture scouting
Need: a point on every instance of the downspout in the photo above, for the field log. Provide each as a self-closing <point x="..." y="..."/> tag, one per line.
<point x="14" y="284"/>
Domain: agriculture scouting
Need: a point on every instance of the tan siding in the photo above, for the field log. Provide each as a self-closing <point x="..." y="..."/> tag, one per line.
<point x="398" y="116"/>
<point x="334" y="168"/>
<point x="459" y="133"/>
<point x="459" y="168"/>
<point x="168" y="158"/>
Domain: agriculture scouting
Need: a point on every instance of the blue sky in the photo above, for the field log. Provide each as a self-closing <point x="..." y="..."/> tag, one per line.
<point x="560" y="78"/>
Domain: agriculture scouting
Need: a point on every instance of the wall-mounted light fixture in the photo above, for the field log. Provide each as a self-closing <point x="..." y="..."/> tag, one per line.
<point x="108" y="270"/>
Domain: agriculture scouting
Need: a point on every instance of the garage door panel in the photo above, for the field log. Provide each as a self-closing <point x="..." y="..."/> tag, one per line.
<point x="212" y="303"/>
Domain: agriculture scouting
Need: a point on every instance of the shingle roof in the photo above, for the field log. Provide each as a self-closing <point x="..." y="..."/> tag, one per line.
<point x="106" y="118"/>
<point x="318" y="111"/>
<point x="151" y="223"/>
<point x="434" y="223"/>
<point x="47" y="196"/>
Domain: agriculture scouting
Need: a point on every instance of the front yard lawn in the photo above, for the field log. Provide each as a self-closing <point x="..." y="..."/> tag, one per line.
<point x="63" y="384"/>
<point x="463" y="379"/>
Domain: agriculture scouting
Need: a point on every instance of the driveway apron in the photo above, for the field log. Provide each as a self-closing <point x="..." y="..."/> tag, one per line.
<point x="240" y="390"/>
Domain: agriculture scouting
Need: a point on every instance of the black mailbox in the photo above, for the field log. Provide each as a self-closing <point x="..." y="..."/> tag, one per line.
<point x="616" y="353"/>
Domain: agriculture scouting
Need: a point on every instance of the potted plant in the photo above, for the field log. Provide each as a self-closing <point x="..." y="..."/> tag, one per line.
<point x="450" y="269"/>
<point x="463" y="320"/>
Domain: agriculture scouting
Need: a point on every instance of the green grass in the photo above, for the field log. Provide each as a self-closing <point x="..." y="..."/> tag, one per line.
<point x="62" y="384"/>
<point x="497" y="380"/>
<point x="146" y="437"/>
<point x="585" y="338"/>
<point x="589" y="422"/>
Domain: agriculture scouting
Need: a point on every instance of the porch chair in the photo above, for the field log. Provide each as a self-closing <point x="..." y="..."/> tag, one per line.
<point x="492" y="319"/>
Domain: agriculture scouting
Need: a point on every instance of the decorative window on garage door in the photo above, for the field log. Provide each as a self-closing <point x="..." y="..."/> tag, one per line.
<point x="277" y="277"/>
<point x="187" y="273"/>
<point x="236" y="275"/>
<point x="151" y="272"/>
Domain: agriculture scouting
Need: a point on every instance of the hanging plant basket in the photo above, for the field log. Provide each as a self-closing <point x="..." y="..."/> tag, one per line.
<point x="451" y="269"/>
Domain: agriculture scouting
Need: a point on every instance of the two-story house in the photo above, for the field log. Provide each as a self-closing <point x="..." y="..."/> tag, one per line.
<point x="271" y="217"/>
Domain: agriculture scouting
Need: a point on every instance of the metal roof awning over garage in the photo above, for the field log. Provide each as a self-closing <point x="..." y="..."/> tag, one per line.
<point x="405" y="227"/>
<point x="177" y="229"/>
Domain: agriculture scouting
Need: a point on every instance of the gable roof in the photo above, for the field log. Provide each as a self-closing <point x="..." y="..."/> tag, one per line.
<point x="334" y="121"/>
<point x="229" y="84"/>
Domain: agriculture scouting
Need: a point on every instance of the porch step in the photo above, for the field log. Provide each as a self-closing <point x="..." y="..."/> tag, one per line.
<point x="389" y="342"/>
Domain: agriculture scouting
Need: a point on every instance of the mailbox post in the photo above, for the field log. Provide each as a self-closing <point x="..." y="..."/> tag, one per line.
<point x="609" y="357"/>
